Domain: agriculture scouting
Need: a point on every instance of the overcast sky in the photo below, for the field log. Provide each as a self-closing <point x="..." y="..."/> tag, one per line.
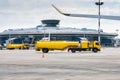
<point x="29" y="13"/>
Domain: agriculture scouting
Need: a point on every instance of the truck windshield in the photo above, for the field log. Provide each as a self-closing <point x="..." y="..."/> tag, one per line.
<point x="97" y="43"/>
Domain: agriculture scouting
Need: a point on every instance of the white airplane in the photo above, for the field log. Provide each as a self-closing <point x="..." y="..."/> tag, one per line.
<point x="110" y="17"/>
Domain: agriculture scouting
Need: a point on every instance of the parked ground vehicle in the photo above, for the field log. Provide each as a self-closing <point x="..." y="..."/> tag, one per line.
<point x="17" y="46"/>
<point x="46" y="45"/>
<point x="11" y="45"/>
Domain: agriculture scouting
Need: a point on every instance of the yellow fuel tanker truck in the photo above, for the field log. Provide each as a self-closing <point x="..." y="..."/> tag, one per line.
<point x="73" y="46"/>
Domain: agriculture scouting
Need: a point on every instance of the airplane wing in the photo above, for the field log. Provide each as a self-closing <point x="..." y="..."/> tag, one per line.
<point x="110" y="17"/>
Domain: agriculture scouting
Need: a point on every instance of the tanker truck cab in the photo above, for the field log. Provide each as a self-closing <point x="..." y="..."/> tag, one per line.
<point x="96" y="46"/>
<point x="86" y="46"/>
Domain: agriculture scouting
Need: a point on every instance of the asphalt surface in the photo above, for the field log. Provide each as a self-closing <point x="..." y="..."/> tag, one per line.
<point x="60" y="65"/>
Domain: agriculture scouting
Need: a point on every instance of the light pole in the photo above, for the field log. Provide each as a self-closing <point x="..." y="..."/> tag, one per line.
<point x="117" y="30"/>
<point x="99" y="4"/>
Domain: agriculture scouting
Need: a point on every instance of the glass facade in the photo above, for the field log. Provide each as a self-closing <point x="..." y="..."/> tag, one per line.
<point x="31" y="39"/>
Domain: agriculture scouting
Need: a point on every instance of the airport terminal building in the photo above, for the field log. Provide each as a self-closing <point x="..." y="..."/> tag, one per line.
<point x="51" y="28"/>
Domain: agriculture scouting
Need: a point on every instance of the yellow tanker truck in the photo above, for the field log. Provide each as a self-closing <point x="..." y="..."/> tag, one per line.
<point x="73" y="46"/>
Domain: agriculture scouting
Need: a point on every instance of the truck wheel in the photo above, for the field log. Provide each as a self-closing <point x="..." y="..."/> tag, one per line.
<point x="45" y="50"/>
<point x="73" y="51"/>
<point x="20" y="48"/>
<point x="95" y="50"/>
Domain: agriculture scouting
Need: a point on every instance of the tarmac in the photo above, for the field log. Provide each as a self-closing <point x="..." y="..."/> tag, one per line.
<point x="60" y="65"/>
